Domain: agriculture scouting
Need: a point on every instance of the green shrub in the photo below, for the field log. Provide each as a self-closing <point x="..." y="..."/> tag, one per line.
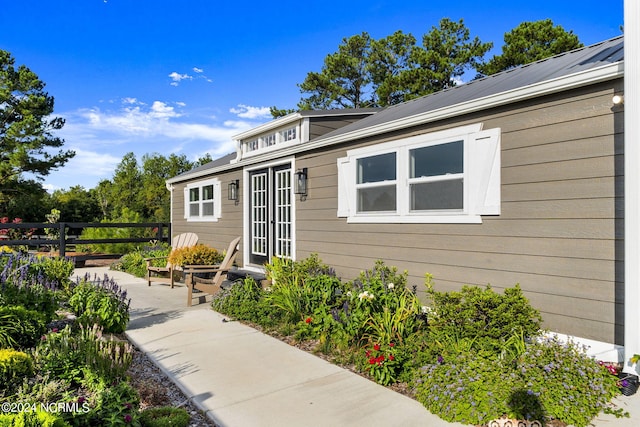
<point x="60" y="357"/>
<point x="14" y="366"/>
<point x="481" y="316"/>
<point x="567" y="384"/>
<point x="118" y="405"/>
<point x="126" y="215"/>
<point x="135" y="262"/>
<point x="164" y="416"/>
<point x="19" y="327"/>
<point x="550" y="380"/>
<point x="245" y="301"/>
<point x="32" y="419"/>
<point x="299" y="288"/>
<point x="199" y="254"/>
<point x="100" y="302"/>
<point x="473" y="388"/>
<point x="56" y="269"/>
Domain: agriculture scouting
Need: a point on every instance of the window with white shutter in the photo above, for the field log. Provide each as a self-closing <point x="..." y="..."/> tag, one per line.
<point x="451" y="176"/>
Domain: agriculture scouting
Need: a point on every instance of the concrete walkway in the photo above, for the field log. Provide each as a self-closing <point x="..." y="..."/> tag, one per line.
<point x="242" y="378"/>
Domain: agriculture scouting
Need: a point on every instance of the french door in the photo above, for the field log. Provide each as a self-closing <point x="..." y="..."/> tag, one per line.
<point x="270" y="208"/>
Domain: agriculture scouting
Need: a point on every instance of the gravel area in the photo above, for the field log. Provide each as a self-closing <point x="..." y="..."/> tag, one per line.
<point x="156" y="389"/>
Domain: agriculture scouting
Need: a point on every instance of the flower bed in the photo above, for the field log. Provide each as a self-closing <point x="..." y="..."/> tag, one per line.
<point x="72" y="368"/>
<point x="470" y="356"/>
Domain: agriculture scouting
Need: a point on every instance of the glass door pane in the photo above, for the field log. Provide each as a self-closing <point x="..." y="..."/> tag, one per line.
<point x="259" y="218"/>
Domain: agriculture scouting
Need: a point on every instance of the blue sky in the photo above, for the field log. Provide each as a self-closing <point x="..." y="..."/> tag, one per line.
<point x="185" y="76"/>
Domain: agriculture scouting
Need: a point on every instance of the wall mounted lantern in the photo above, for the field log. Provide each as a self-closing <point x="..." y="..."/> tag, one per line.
<point x="233" y="190"/>
<point x="300" y="183"/>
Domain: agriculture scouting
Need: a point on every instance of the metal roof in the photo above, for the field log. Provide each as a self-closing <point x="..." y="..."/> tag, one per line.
<point x="575" y="61"/>
<point x="587" y="58"/>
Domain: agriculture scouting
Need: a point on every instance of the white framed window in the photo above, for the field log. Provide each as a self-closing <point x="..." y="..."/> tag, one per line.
<point x="275" y="140"/>
<point x="288" y="134"/>
<point x="203" y="200"/>
<point x="268" y="140"/>
<point x="451" y="176"/>
<point x="252" y="145"/>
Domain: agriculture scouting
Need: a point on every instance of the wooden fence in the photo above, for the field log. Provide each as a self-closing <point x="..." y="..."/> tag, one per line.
<point x="161" y="231"/>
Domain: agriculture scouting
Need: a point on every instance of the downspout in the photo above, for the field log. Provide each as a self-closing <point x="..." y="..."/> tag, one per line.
<point x="631" y="183"/>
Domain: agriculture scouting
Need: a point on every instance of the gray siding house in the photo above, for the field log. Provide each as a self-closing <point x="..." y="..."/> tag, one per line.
<point x="514" y="178"/>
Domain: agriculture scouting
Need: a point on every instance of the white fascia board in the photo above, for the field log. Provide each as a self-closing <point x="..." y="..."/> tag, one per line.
<point x="584" y="78"/>
<point x="273" y="124"/>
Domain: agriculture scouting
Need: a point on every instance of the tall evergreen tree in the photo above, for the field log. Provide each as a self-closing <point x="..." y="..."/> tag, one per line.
<point x="26" y="131"/>
<point x="365" y="72"/>
<point x="529" y="42"/>
<point x="388" y="59"/>
<point x="447" y="52"/>
<point x="343" y="81"/>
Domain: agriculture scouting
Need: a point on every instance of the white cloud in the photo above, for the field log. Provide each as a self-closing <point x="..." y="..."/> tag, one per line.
<point x="181" y="104"/>
<point x="249" y="112"/>
<point x="177" y="78"/>
<point x="162" y="110"/>
<point x="102" y="136"/>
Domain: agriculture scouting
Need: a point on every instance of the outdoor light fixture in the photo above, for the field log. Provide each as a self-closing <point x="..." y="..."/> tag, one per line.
<point x="617" y="99"/>
<point x="300" y="183"/>
<point x="233" y="190"/>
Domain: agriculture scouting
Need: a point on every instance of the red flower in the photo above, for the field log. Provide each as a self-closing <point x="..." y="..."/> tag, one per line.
<point x="376" y="347"/>
<point x="391" y="344"/>
<point x="372" y="361"/>
<point x="391" y="357"/>
<point x="380" y="359"/>
<point x="368" y="353"/>
<point x="308" y="320"/>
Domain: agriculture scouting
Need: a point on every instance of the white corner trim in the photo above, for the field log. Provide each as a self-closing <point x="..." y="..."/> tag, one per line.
<point x="631" y="182"/>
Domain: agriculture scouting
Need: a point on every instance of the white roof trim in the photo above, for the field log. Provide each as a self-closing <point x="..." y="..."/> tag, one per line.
<point x="584" y="78"/>
<point x="273" y="124"/>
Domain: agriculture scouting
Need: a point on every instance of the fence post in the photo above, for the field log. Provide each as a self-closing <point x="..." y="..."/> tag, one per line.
<point x="159" y="233"/>
<point x="63" y="239"/>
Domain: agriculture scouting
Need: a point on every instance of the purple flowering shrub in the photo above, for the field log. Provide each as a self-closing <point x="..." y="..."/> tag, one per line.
<point x="25" y="282"/>
<point x="569" y="385"/>
<point x="550" y="380"/>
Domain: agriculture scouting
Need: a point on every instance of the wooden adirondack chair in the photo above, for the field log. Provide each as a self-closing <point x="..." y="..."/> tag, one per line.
<point x="166" y="274"/>
<point x="210" y="286"/>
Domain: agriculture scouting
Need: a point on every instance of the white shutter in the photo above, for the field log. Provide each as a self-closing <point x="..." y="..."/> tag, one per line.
<point x="345" y="187"/>
<point x="484" y="173"/>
